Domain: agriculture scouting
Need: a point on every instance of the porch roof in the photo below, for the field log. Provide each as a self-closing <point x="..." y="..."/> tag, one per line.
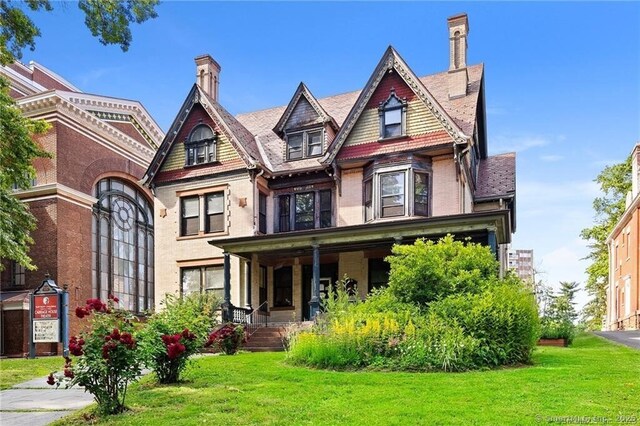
<point x="370" y="235"/>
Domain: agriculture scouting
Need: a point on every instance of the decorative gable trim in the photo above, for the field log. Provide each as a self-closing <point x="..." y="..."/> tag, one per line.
<point x="195" y="96"/>
<point x="303" y="90"/>
<point x="391" y="60"/>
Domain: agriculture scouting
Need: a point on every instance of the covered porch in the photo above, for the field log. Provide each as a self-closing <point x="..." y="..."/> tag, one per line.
<point x="285" y="275"/>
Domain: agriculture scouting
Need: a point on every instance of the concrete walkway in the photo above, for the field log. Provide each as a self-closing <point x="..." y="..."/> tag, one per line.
<point x="629" y="338"/>
<point x="35" y="403"/>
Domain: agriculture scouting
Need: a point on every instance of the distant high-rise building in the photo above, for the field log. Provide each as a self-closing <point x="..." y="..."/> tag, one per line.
<point x="521" y="261"/>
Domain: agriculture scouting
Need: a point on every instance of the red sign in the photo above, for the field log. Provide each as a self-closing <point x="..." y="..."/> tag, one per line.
<point x="45" y="306"/>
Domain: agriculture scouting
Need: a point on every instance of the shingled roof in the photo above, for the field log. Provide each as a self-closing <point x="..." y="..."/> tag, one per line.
<point x="261" y="123"/>
<point x="496" y="177"/>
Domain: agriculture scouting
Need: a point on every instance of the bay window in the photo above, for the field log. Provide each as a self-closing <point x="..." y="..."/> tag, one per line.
<point x="396" y="192"/>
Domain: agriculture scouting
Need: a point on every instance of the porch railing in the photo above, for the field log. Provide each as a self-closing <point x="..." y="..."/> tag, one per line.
<point x="256" y="319"/>
<point x="239" y="315"/>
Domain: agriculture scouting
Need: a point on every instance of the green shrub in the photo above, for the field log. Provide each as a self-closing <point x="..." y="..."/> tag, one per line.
<point x="177" y="332"/>
<point x="557" y="329"/>
<point x="504" y="320"/>
<point x="427" y="271"/>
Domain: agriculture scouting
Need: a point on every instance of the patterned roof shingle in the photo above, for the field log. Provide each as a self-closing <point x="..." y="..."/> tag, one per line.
<point x="261" y="123"/>
<point x="496" y="177"/>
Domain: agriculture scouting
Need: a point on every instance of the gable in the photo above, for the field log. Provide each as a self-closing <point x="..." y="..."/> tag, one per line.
<point x="176" y="158"/>
<point x="419" y="119"/>
<point x="303" y="115"/>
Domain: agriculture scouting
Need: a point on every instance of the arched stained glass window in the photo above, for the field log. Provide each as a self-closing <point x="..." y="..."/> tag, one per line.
<point x="122" y="245"/>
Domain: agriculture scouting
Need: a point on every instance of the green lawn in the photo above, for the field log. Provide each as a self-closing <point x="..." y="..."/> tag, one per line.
<point x="17" y="370"/>
<point x="592" y="378"/>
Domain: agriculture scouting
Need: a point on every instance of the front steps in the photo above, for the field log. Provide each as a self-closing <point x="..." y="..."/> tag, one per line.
<point x="266" y="339"/>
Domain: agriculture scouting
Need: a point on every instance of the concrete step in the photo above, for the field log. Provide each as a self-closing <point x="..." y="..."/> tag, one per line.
<point x="264" y="349"/>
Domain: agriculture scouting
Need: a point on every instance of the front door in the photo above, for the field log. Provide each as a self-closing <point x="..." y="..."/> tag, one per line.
<point x="328" y="277"/>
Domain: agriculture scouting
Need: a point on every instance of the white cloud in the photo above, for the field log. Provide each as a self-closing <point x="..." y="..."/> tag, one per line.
<point x="551" y="158"/>
<point x="506" y="143"/>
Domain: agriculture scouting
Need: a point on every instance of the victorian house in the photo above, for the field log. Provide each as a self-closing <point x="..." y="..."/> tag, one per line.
<point x="623" y="290"/>
<point x="94" y="220"/>
<point x="269" y="208"/>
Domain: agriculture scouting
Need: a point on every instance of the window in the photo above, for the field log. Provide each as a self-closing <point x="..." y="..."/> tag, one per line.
<point x="283" y="287"/>
<point x="305" y="210"/>
<point x="314" y="144"/>
<point x="262" y="293"/>
<point x="215" y="212"/>
<point x="294" y="146"/>
<point x="122" y="245"/>
<point x="392" y="194"/>
<point x="17" y="274"/>
<point x="200" y="146"/>
<point x="209" y="206"/>
<point x="368" y="200"/>
<point x="304" y="144"/>
<point x="262" y="213"/>
<point x="378" y="273"/>
<point x="395" y="193"/>
<point x="190" y="223"/>
<point x="285" y="215"/>
<point x="392" y="117"/>
<point x="203" y="279"/>
<point x="421" y="194"/>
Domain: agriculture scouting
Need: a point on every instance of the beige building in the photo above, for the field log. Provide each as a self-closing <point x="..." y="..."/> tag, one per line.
<point x="270" y="208"/>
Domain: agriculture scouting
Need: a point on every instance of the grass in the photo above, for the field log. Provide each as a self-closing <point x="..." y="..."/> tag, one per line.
<point x="18" y="370"/>
<point x="591" y="378"/>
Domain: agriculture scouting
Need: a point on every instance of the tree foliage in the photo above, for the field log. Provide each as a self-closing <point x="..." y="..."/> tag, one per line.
<point x="615" y="183"/>
<point x="428" y="271"/>
<point x="108" y="20"/>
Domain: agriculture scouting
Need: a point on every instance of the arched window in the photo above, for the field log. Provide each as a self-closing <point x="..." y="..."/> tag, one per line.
<point x="122" y="245"/>
<point x="200" y="145"/>
<point x="392" y="116"/>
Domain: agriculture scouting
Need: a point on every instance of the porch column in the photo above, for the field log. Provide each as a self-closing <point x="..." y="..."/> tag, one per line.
<point x="227" y="314"/>
<point x="314" y="303"/>
<point x="247" y="284"/>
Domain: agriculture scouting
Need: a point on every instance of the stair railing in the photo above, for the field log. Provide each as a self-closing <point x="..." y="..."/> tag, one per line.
<point x="256" y="319"/>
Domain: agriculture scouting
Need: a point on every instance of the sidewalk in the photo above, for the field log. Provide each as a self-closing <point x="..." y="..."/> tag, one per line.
<point x="35" y="403"/>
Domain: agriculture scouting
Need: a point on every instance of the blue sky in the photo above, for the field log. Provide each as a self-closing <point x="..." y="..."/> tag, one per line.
<point x="562" y="81"/>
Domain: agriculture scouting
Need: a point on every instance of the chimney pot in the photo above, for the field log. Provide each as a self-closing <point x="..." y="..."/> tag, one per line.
<point x="208" y="75"/>
<point x="458" y="77"/>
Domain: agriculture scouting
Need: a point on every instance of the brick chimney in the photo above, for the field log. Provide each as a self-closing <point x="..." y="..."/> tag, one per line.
<point x="635" y="171"/>
<point x="208" y="75"/>
<point x="458" y="77"/>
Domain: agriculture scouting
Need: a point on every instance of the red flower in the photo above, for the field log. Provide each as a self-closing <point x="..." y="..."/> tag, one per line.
<point x="51" y="380"/>
<point x="69" y="373"/>
<point x="75" y="346"/>
<point x="81" y="312"/>
<point x="114" y="298"/>
<point x="174" y="350"/>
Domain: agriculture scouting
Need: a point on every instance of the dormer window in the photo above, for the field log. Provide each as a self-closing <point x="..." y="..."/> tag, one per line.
<point x="200" y="146"/>
<point x="307" y="143"/>
<point x="392" y="117"/>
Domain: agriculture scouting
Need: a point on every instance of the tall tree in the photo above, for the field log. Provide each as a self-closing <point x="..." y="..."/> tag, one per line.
<point x="108" y="20"/>
<point x="615" y="183"/>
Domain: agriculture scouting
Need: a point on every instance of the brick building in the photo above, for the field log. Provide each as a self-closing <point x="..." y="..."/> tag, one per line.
<point x="623" y="291"/>
<point x="270" y="208"/>
<point x="94" y="221"/>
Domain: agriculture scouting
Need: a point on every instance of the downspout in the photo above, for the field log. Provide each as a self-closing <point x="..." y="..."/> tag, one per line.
<point x="335" y="177"/>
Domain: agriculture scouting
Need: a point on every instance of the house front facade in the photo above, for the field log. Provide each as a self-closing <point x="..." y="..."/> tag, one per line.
<point x="623" y="291"/>
<point x="94" y="229"/>
<point x="269" y="208"/>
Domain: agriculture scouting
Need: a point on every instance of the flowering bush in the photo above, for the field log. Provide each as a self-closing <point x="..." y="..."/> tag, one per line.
<point x="227" y="338"/>
<point x="177" y="332"/>
<point x="107" y="355"/>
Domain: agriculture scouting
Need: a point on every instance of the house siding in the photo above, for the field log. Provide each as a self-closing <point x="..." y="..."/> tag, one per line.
<point x="302" y="115"/>
<point x="446" y="188"/>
